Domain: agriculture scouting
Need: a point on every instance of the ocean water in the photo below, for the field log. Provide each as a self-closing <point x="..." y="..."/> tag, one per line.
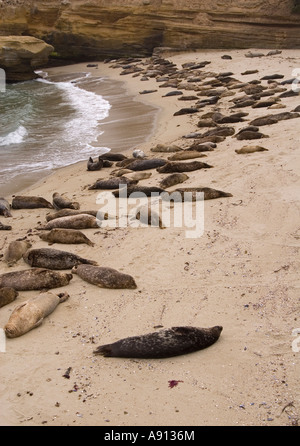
<point x="46" y="124"/>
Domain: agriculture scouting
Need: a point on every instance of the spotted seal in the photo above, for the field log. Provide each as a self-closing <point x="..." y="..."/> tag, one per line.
<point x="34" y="279"/>
<point x="53" y="258"/>
<point x="7" y="295"/>
<point x="80" y="221"/>
<point x="165" y="343"/>
<point x="104" y="277"/>
<point x="30" y="202"/>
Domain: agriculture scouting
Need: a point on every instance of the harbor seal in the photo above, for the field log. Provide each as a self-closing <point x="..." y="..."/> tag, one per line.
<point x="15" y="251"/>
<point x="190" y="194"/>
<point x="53" y="259"/>
<point x="166" y="148"/>
<point x="149" y="217"/>
<point x="138" y="176"/>
<point x="165" y="343"/>
<point x="186" y="155"/>
<point x="4" y="208"/>
<point x="60" y="202"/>
<point x="23" y="202"/>
<point x="70" y="212"/>
<point x="112" y="183"/>
<point x="66" y="236"/>
<point x="34" y="279"/>
<point x="104" y="277"/>
<point x="146" y="164"/>
<point x="7" y="295"/>
<point x="250" y="149"/>
<point x="31" y="313"/>
<point x="172" y="179"/>
<point x="250" y="134"/>
<point x="5" y="227"/>
<point x="138" y="191"/>
<point x="80" y="221"/>
<point x="113" y="156"/>
<point x="94" y="165"/>
<point x="173" y="166"/>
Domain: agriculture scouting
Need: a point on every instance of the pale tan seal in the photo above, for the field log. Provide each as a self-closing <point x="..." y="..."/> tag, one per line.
<point x="15" y="251"/>
<point x="250" y="149"/>
<point x="138" y="176"/>
<point x="34" y="279"/>
<point x="31" y="313"/>
<point x="5" y="208"/>
<point x="172" y="179"/>
<point x="31" y="202"/>
<point x="165" y="343"/>
<point x="60" y="202"/>
<point x="80" y="221"/>
<point x="186" y="155"/>
<point x="69" y="212"/>
<point x="53" y="258"/>
<point x="7" y="295"/>
<point x="166" y="148"/>
<point x="66" y="236"/>
<point x="104" y="277"/>
<point x="138" y="191"/>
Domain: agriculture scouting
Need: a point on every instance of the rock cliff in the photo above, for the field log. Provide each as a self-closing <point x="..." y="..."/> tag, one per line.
<point x="21" y="55"/>
<point x="110" y="28"/>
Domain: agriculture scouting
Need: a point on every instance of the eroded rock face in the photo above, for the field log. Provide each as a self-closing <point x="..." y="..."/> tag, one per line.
<point x="21" y="55"/>
<point x="110" y="28"/>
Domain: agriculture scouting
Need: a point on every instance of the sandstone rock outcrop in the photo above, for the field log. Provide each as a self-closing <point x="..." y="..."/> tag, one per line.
<point x="110" y="28"/>
<point x="21" y="55"/>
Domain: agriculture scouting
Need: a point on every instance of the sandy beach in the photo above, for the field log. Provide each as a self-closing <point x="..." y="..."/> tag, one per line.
<point x="242" y="273"/>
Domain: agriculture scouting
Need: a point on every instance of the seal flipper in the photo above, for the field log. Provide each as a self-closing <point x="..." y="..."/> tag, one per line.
<point x="38" y="323"/>
<point x="104" y="350"/>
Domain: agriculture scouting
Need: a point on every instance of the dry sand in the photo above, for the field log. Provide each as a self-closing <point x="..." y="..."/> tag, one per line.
<point x="242" y="273"/>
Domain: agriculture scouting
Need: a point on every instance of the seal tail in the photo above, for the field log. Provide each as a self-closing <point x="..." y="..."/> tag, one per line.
<point x="104" y="350"/>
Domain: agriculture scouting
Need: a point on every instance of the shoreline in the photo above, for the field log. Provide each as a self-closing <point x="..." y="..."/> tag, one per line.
<point x="242" y="274"/>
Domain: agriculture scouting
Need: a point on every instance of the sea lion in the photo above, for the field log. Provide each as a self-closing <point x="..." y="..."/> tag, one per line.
<point x="94" y="165"/>
<point x="70" y="212"/>
<point x="138" y="191"/>
<point x="23" y="202"/>
<point x="250" y="149"/>
<point x="104" y="277"/>
<point x="7" y="295"/>
<point x="66" y="236"/>
<point x="190" y="193"/>
<point x="186" y="155"/>
<point x="146" y="164"/>
<point x="31" y="313"/>
<point x="173" y="166"/>
<point x="172" y="179"/>
<point x="34" y="279"/>
<point x="112" y="183"/>
<point x="4" y="208"/>
<point x="5" y="227"/>
<point x="15" y="251"/>
<point x="80" y="221"/>
<point x="60" y="202"/>
<point x="165" y="343"/>
<point x="53" y="259"/>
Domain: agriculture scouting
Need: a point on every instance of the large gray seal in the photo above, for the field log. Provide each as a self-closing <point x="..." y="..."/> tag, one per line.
<point x="53" y="259"/>
<point x="34" y="279"/>
<point x="33" y="202"/>
<point x="30" y="314"/>
<point x="104" y="277"/>
<point x="162" y="344"/>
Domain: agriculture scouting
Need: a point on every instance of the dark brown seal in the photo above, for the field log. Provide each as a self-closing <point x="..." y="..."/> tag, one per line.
<point x="34" y="279"/>
<point x="60" y="202"/>
<point x="5" y="227"/>
<point x="166" y="343"/>
<point x="142" y="164"/>
<point x="94" y="165"/>
<point x="23" y="202"/>
<point x="112" y="183"/>
<point x="138" y="191"/>
<point x="7" y="295"/>
<point x="53" y="259"/>
<point x="172" y="179"/>
<point x="173" y="166"/>
<point x="104" y="277"/>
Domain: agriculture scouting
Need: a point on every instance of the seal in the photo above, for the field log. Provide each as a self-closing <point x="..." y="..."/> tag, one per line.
<point x="4" y="208"/>
<point x="172" y="179"/>
<point x="80" y="221"/>
<point x="34" y="279"/>
<point x="66" y="236"/>
<point x="149" y="217"/>
<point x="5" y="227"/>
<point x="31" y="313"/>
<point x="121" y="172"/>
<point x="186" y="155"/>
<point x="209" y="193"/>
<point x="53" y="259"/>
<point x="250" y="149"/>
<point x="173" y="166"/>
<point x="70" y="212"/>
<point x="23" y="202"/>
<point x="165" y="343"/>
<point x="137" y="176"/>
<point x="59" y="202"/>
<point x="166" y="148"/>
<point x="112" y="183"/>
<point x="138" y="154"/>
<point x="104" y="277"/>
<point x="112" y="156"/>
<point x="7" y="295"/>
<point x="94" y="165"/>
<point x="138" y="191"/>
<point x="146" y="164"/>
<point x="15" y="251"/>
<point x="250" y="134"/>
